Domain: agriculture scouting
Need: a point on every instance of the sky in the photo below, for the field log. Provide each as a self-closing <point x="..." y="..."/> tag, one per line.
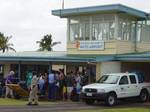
<point x="27" y="21"/>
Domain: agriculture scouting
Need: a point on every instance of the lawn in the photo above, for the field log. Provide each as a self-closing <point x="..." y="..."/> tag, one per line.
<point x="7" y="102"/>
<point x="118" y="110"/>
<point x="14" y="102"/>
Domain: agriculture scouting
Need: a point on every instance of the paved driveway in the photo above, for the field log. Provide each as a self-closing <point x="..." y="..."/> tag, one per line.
<point x="68" y="106"/>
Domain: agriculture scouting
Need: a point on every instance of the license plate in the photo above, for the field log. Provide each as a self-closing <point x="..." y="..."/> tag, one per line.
<point x="88" y="94"/>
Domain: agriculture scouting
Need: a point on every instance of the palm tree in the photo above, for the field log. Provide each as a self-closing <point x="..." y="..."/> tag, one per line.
<point x="46" y="43"/>
<point x="4" y="43"/>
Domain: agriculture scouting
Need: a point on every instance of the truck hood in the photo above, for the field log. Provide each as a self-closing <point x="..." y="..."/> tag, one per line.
<point x="99" y="86"/>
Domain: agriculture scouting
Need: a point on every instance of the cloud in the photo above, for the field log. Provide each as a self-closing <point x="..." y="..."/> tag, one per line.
<point x="28" y="20"/>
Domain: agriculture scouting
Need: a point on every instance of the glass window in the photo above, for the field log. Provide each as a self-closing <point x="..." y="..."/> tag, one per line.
<point x="97" y="31"/>
<point x="87" y="31"/>
<point x="109" y="79"/>
<point x="103" y="27"/>
<point x="138" y="32"/>
<point x="148" y="22"/>
<point x="124" y="29"/>
<point x="111" y="30"/>
<point x="105" y="31"/>
<point x="123" y="80"/>
<point x="132" y="79"/>
<point x="133" y="31"/>
<point x="74" y="29"/>
<point x="128" y="37"/>
<point x="84" y="31"/>
<point x="145" y="33"/>
<point x="84" y="28"/>
<point x="74" y="33"/>
<point x="79" y="28"/>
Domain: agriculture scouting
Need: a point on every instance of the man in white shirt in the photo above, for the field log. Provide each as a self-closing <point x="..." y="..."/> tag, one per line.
<point x="51" y="86"/>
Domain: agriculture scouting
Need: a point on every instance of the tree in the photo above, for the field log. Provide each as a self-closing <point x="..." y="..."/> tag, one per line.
<point x="4" y="43"/>
<point x="46" y="43"/>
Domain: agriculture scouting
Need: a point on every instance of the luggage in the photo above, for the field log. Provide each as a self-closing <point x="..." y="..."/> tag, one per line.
<point x="18" y="90"/>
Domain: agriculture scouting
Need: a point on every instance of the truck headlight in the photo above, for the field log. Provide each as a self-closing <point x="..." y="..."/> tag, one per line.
<point x="101" y="91"/>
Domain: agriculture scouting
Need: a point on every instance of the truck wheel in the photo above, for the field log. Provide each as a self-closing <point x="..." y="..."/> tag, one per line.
<point x="111" y="99"/>
<point x="89" y="102"/>
<point x="143" y="96"/>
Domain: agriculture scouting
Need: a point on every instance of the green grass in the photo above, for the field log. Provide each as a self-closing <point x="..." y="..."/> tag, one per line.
<point x="11" y="102"/>
<point x="117" y="110"/>
<point x="6" y="101"/>
<point x="14" y="102"/>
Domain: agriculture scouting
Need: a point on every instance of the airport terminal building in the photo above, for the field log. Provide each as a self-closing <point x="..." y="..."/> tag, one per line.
<point x="100" y="39"/>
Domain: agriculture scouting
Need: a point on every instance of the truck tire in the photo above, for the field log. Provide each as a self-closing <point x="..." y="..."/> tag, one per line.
<point x="144" y="96"/>
<point x="89" y="102"/>
<point x="111" y="99"/>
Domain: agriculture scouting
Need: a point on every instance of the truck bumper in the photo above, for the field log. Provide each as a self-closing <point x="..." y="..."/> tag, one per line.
<point x="94" y="96"/>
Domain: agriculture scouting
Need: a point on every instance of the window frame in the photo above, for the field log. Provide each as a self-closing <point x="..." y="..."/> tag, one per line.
<point x="86" y="30"/>
<point x="124" y="83"/>
<point x="131" y="80"/>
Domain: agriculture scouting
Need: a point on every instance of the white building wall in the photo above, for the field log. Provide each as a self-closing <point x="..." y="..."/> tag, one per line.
<point x="6" y="69"/>
<point x="110" y="67"/>
<point x="57" y="67"/>
<point x="98" y="72"/>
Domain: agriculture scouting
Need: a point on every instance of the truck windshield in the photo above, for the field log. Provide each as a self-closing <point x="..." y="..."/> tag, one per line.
<point x="108" y="79"/>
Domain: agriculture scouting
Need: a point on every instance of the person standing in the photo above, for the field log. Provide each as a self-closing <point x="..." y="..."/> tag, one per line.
<point x="29" y="79"/>
<point x="33" y="97"/>
<point x="3" y="87"/>
<point x="78" y="83"/>
<point x="41" y="84"/>
<point x="9" y="80"/>
<point x="69" y="84"/>
<point x="51" y="86"/>
<point x="57" y="85"/>
<point x="45" y="77"/>
<point x="61" y="84"/>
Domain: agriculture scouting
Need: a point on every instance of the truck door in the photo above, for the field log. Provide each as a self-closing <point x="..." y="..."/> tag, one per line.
<point x="133" y="89"/>
<point x="123" y="87"/>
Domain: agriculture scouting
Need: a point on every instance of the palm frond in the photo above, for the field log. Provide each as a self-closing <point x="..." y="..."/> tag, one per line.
<point x="12" y="49"/>
<point x="4" y="43"/>
<point x="46" y="43"/>
<point x="55" y="43"/>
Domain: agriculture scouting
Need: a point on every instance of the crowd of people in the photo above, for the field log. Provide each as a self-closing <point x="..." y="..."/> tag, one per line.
<point x="58" y="86"/>
<point x="55" y="85"/>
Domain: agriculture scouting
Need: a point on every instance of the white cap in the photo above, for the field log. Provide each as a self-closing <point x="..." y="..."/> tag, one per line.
<point x="12" y="72"/>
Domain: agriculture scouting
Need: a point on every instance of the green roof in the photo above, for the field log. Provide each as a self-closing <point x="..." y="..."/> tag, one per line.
<point x="113" y="8"/>
<point x="52" y="56"/>
<point x="63" y="57"/>
<point x="41" y="56"/>
<point x="143" y="56"/>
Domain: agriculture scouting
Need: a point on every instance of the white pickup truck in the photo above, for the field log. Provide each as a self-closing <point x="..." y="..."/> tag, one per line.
<point x="111" y="87"/>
